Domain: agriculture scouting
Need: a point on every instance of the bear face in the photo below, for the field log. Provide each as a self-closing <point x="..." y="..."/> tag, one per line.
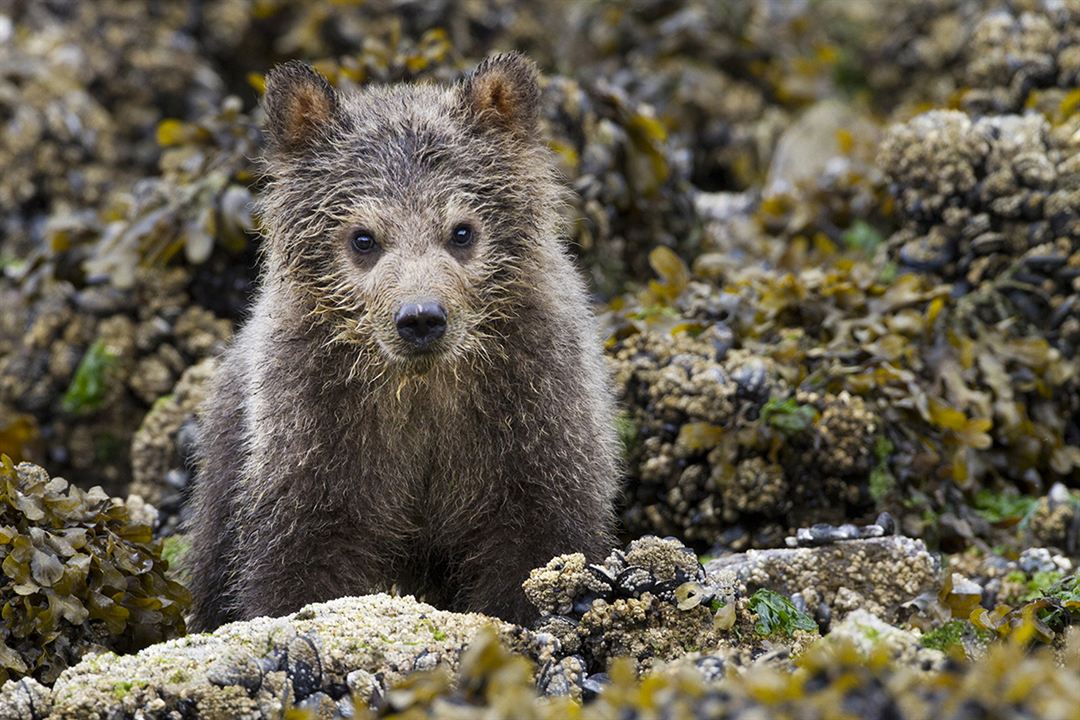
<point x="410" y="217"/>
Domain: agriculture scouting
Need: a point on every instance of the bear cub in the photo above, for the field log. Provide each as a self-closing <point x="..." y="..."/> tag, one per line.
<point x="418" y="400"/>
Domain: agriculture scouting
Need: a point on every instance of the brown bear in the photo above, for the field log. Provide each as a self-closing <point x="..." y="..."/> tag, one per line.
<point x="418" y="401"/>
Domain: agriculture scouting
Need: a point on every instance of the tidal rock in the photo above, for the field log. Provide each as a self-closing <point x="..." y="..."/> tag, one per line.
<point x="869" y="633"/>
<point x="883" y="571"/>
<point x="263" y="667"/>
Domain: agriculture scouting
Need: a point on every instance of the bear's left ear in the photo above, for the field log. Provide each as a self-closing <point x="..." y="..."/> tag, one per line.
<point x="504" y="92"/>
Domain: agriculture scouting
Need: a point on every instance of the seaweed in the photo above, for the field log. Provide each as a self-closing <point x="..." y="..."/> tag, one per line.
<point x="788" y="416"/>
<point x="89" y="384"/>
<point x="78" y="575"/>
<point x="777" y="615"/>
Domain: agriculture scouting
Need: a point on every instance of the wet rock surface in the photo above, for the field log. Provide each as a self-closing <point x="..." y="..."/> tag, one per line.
<point x="877" y="574"/>
<point x="162" y="449"/>
<point x="264" y="667"/>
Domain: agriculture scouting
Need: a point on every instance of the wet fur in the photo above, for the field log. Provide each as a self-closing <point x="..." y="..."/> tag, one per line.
<point x="329" y="467"/>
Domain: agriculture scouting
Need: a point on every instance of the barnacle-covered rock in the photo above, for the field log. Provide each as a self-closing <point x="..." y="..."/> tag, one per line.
<point x="651" y="601"/>
<point x="1019" y="51"/>
<point x="923" y="385"/>
<point x="990" y="204"/>
<point x="869" y="633"/>
<point x="885" y="572"/>
<point x="553" y="588"/>
<point x="89" y="362"/>
<point x="1055" y="520"/>
<point x="162" y="450"/>
<point x="80" y="575"/>
<point x="720" y="442"/>
<point x="267" y="666"/>
<point x="866" y="676"/>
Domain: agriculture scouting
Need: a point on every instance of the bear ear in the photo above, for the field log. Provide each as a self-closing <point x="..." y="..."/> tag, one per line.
<point x="300" y="106"/>
<point x="504" y="92"/>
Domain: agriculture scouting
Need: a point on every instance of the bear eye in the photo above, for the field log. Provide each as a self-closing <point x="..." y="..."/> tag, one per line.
<point x="463" y="235"/>
<point x="363" y="241"/>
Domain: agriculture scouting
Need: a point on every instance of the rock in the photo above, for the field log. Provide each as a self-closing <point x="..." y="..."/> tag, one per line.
<point x="886" y="571"/>
<point x="262" y="667"/>
<point x="161" y="467"/>
<point x="1034" y="560"/>
<point x="650" y="602"/>
<point x="721" y="443"/>
<point x="869" y="633"/>
<point x="1055" y="521"/>
<point x="25" y="699"/>
<point x="810" y="143"/>
<point x="824" y="534"/>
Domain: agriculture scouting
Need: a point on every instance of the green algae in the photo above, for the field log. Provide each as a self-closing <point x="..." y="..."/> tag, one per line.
<point x="89" y="384"/>
<point x="777" y="615"/>
<point x="788" y="416"/>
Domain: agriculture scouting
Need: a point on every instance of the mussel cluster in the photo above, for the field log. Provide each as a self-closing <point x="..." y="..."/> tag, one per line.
<point x="1020" y="55"/>
<point x="651" y="602"/>
<point x="990" y="204"/>
<point x="722" y="450"/>
<point x="824" y="534"/>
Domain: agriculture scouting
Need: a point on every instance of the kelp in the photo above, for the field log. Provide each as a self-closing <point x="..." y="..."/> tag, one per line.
<point x="79" y="575"/>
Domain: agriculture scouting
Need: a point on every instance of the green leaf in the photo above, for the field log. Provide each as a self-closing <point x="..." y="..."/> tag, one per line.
<point x="862" y="236"/>
<point x="1000" y="507"/>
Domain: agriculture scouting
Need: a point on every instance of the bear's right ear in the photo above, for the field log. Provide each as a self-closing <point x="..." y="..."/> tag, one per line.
<point x="300" y="106"/>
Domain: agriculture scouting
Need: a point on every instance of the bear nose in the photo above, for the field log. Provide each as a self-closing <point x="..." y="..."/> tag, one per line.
<point x="421" y="323"/>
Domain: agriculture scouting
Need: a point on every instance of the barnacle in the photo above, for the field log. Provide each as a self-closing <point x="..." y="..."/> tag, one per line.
<point x="636" y="603"/>
<point x="88" y="363"/>
<point x="79" y="575"/>
<point x="867" y="682"/>
<point x="162" y="448"/>
<point x="1013" y="55"/>
<point x="709" y="454"/>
